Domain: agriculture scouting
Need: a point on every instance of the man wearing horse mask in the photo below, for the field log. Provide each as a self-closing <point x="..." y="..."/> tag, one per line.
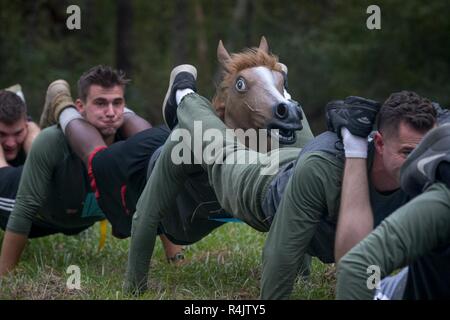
<point x="120" y="170"/>
<point x="304" y="192"/>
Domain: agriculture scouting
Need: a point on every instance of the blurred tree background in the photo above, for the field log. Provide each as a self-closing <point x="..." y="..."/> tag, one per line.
<point x="326" y="45"/>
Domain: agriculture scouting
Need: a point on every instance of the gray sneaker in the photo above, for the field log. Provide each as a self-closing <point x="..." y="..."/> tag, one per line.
<point x="419" y="170"/>
<point x="56" y="100"/>
<point x="17" y="89"/>
<point x="182" y="77"/>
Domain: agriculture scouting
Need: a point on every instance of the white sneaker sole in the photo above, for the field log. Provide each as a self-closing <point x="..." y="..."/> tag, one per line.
<point x="181" y="68"/>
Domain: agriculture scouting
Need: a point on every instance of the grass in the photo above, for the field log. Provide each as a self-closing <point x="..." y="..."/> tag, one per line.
<point x="224" y="265"/>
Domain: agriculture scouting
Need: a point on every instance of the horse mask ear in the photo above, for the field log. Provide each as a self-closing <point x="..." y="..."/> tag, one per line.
<point x="222" y="55"/>
<point x="284" y="70"/>
<point x="283" y="67"/>
<point x="263" y="45"/>
<point x="219" y="100"/>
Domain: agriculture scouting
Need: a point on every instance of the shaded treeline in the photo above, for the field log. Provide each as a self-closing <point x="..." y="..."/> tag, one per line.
<point x="326" y="45"/>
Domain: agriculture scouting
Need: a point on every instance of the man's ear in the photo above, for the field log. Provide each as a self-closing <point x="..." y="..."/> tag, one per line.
<point x="378" y="142"/>
<point x="80" y="105"/>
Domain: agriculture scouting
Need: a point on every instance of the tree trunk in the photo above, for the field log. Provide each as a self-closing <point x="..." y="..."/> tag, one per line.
<point x="240" y="32"/>
<point x="179" y="32"/>
<point x="202" y="45"/>
<point x="249" y="23"/>
<point x="124" y="36"/>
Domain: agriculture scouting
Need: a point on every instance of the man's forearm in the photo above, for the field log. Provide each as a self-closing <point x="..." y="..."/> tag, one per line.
<point x="355" y="214"/>
<point x="143" y="235"/>
<point x="132" y="124"/>
<point x="12" y="248"/>
<point x="158" y="195"/>
<point x="141" y="249"/>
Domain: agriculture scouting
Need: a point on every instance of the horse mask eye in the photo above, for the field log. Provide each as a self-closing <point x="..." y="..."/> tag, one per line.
<point x="241" y="85"/>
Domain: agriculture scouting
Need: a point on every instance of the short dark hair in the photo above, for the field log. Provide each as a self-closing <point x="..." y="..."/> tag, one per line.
<point x="407" y="107"/>
<point x="104" y="76"/>
<point x="12" y="107"/>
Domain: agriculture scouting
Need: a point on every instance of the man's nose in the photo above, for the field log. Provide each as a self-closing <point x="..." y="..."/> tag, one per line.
<point x="10" y="142"/>
<point x="110" y="111"/>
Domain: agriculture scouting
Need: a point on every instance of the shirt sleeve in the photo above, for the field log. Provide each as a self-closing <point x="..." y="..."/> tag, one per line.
<point x="303" y="205"/>
<point x="159" y="194"/>
<point x="36" y="176"/>
<point x="412" y="231"/>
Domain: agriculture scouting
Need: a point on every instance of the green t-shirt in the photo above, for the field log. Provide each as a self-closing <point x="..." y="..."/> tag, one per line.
<point x="312" y="197"/>
<point x="413" y="235"/>
<point x="53" y="188"/>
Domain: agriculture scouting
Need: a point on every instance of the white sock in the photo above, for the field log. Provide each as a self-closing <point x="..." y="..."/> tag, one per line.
<point x="354" y="146"/>
<point x="180" y="94"/>
<point x="67" y="115"/>
<point x="20" y="94"/>
<point x="126" y="110"/>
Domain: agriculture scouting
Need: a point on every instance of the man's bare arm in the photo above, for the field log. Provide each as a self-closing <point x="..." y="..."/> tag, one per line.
<point x="355" y="220"/>
<point x="133" y="124"/>
<point x="355" y="214"/>
<point x="12" y="248"/>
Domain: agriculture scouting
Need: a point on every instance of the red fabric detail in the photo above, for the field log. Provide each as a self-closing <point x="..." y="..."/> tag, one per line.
<point x="123" y="191"/>
<point x="92" y="181"/>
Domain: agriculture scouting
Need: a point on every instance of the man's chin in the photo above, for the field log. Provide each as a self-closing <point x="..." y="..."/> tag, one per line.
<point x="108" y="132"/>
<point x="10" y="156"/>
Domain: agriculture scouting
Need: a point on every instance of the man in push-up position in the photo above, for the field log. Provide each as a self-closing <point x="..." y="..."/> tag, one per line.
<point x="303" y="192"/>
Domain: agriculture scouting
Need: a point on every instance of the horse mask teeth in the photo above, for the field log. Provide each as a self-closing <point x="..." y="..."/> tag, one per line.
<point x="283" y="136"/>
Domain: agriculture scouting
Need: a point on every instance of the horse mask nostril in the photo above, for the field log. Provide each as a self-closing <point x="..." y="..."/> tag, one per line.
<point x="281" y="111"/>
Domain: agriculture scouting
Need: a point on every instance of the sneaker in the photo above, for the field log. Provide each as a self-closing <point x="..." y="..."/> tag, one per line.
<point x="419" y="169"/>
<point x="57" y="99"/>
<point x="182" y="77"/>
<point x="442" y="114"/>
<point x="17" y="89"/>
<point x="355" y="113"/>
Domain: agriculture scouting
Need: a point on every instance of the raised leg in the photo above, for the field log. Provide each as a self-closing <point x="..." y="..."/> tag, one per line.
<point x="83" y="138"/>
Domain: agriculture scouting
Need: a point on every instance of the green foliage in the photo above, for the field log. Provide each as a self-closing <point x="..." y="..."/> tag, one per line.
<point x="329" y="50"/>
